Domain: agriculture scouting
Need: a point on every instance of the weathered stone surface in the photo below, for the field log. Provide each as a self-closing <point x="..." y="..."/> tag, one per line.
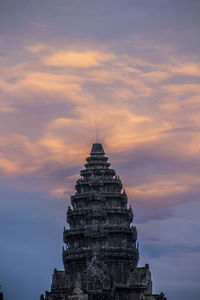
<point x="101" y="254"/>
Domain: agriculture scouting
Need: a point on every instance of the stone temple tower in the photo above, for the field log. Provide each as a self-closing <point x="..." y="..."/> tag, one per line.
<point x="101" y="254"/>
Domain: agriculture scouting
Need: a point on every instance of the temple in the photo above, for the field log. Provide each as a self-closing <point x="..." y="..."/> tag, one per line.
<point x="101" y="253"/>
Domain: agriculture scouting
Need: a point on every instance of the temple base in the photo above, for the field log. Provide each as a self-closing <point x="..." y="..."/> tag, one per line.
<point x="94" y="287"/>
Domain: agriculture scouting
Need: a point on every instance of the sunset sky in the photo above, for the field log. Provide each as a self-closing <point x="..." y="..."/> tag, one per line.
<point x="130" y="68"/>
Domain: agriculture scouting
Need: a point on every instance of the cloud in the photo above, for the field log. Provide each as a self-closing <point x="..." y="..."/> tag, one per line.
<point x="136" y="104"/>
<point x="60" y="192"/>
<point x="86" y="59"/>
<point x="170" y="105"/>
<point x="155" y="76"/>
<point x="136" y="78"/>
<point x="36" y="48"/>
<point x="32" y="88"/>
<point x="169" y="242"/>
<point x="185" y="275"/>
<point x="190" y="69"/>
<point x="7" y="166"/>
<point x="158" y="189"/>
<point x="119" y="136"/>
<point x="182" y="89"/>
<point x="6" y="109"/>
<point x="185" y="224"/>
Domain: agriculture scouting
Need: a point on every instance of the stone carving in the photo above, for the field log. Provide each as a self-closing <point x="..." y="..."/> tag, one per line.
<point x="101" y="256"/>
<point x="78" y="293"/>
<point x="96" y="276"/>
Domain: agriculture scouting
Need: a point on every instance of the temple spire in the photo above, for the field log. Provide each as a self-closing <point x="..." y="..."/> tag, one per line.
<point x="101" y="253"/>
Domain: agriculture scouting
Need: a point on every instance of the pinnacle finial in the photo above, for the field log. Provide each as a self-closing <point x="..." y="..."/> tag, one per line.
<point x="97" y="137"/>
<point x="97" y="149"/>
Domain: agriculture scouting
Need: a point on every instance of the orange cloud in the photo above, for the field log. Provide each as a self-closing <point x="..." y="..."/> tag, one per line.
<point x="190" y="69"/>
<point x="155" y="76"/>
<point x="60" y="193"/>
<point x="170" y="105"/>
<point x="50" y="87"/>
<point x="6" y="109"/>
<point x="8" y="167"/>
<point x="157" y="189"/>
<point x="127" y="98"/>
<point x="181" y="89"/>
<point x="124" y="133"/>
<point x="86" y="59"/>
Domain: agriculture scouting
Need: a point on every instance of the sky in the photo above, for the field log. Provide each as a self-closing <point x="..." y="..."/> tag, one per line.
<point x="130" y="68"/>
